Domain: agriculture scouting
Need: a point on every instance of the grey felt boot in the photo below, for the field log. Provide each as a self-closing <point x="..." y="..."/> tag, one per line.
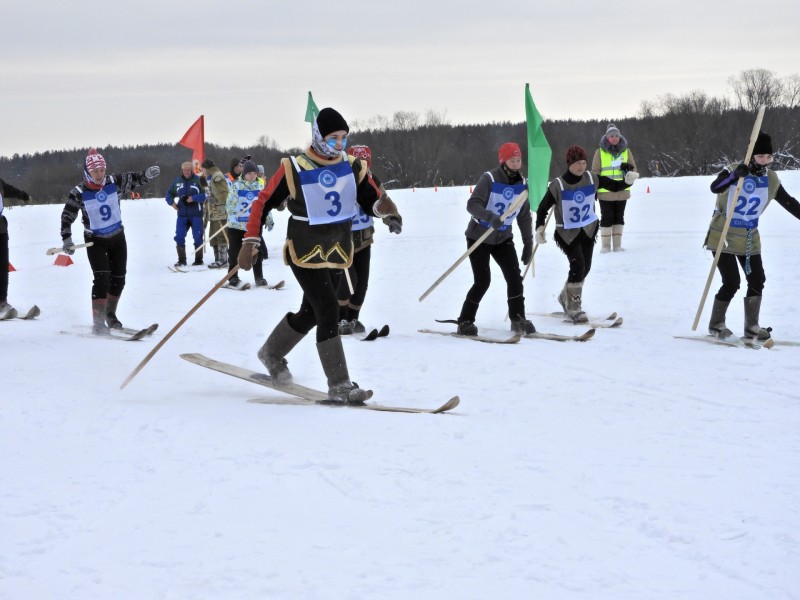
<point x="716" y="325"/>
<point x="574" y="292"/>
<point x="340" y="389"/>
<point x="279" y="343"/>
<point x="111" y="312"/>
<point x="605" y="239"/>
<point x="752" y="308"/>
<point x="99" y="326"/>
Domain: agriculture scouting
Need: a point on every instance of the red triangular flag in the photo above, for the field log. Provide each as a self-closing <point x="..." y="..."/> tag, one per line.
<point x="62" y="260"/>
<point x="195" y="139"/>
<point x="11" y="268"/>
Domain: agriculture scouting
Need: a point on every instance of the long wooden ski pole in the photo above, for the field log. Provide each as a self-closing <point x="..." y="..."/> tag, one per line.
<point x="510" y="211"/>
<point x="183" y="320"/>
<point x="729" y="216"/>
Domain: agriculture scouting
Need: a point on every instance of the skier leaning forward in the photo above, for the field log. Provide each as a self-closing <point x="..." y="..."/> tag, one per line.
<point x="97" y="199"/>
<point x="572" y="197"/>
<point x="324" y="187"/>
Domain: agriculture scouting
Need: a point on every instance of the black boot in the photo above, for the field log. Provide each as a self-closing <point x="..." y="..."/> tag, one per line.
<point x="181" y="256"/>
<point x="752" y="308"/>
<point x="279" y="343"/>
<point x="340" y="389"/>
<point x="716" y="325"/>
<point x="466" y="320"/>
<point x="198" y="257"/>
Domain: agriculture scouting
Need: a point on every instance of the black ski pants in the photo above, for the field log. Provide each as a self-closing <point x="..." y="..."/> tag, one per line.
<point x="108" y="258"/>
<point x="731" y="279"/>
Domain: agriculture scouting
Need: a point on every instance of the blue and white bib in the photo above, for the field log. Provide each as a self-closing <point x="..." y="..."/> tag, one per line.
<point x="751" y="202"/>
<point x="362" y="220"/>
<point x="329" y="191"/>
<point x="577" y="206"/>
<point x="501" y="197"/>
<point x="102" y="207"/>
<point x="244" y="200"/>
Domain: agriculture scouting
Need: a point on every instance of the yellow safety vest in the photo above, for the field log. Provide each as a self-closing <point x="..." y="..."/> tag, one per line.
<point x="609" y="166"/>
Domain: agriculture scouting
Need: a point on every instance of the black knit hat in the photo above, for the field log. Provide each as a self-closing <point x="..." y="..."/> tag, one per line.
<point x="329" y="120"/>
<point x="249" y="167"/>
<point x="763" y="144"/>
<point x="207" y="163"/>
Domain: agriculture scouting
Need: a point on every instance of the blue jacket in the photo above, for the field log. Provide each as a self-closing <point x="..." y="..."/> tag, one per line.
<point x="183" y="188"/>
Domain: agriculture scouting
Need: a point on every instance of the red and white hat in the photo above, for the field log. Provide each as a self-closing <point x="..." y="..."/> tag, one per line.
<point x="94" y="160"/>
<point x="361" y="152"/>
<point x="509" y="150"/>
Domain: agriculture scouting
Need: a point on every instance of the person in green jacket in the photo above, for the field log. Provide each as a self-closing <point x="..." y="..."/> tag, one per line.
<point x="743" y="241"/>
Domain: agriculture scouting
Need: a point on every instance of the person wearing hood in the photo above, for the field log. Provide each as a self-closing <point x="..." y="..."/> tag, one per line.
<point x="613" y="159"/>
<point x="572" y="197"/>
<point x="96" y="199"/>
<point x="323" y="188"/>
<point x="743" y="240"/>
<point x="494" y="193"/>
<point x="216" y="213"/>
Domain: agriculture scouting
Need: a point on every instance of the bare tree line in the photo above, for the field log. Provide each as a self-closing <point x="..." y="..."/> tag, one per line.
<point x="692" y="134"/>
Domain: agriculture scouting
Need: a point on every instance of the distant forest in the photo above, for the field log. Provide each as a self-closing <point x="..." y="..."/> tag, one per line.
<point x="672" y="136"/>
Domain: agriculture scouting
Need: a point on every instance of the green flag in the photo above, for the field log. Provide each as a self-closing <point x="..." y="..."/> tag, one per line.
<point x="539" y="153"/>
<point x="311" y="110"/>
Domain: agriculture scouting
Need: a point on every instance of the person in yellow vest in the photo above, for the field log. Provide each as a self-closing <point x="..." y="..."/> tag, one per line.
<point x="613" y="159"/>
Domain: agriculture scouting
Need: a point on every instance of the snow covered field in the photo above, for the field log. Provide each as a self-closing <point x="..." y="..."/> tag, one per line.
<point x="632" y="466"/>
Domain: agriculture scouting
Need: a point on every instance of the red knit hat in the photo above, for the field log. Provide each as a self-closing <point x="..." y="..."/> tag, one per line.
<point x="574" y="154"/>
<point x="361" y="152"/>
<point x="94" y="160"/>
<point x="508" y="150"/>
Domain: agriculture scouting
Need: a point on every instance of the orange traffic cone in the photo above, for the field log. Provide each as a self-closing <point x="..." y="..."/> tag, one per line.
<point x="413" y="189"/>
<point x="435" y="188"/>
<point x="62" y="260"/>
<point x="470" y="189"/>
<point x="11" y="268"/>
<point x="648" y="189"/>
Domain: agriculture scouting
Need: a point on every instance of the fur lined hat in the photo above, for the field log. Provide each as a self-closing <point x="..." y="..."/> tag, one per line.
<point x="207" y="164"/>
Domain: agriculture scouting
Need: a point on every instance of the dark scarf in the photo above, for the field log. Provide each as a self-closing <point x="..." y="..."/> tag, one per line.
<point x="757" y="169"/>
<point x="513" y="176"/>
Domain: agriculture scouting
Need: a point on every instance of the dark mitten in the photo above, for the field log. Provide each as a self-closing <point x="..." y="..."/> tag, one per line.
<point x="741" y="170"/>
<point x="626" y="167"/>
<point x="527" y="253"/>
<point x="495" y="221"/>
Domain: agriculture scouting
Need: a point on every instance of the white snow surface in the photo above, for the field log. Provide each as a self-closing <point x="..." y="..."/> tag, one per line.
<point x="636" y="465"/>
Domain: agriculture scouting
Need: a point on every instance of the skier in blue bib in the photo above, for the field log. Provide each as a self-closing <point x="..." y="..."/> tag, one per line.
<point x="494" y="193"/>
<point x="743" y="240"/>
<point x="572" y="197"/>
<point x="322" y="188"/>
<point x="97" y="200"/>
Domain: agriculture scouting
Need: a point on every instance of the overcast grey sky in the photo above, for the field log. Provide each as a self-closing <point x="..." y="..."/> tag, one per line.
<point x="80" y="74"/>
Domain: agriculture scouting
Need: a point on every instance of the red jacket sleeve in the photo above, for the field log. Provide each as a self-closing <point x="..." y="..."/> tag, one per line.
<point x="270" y="197"/>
